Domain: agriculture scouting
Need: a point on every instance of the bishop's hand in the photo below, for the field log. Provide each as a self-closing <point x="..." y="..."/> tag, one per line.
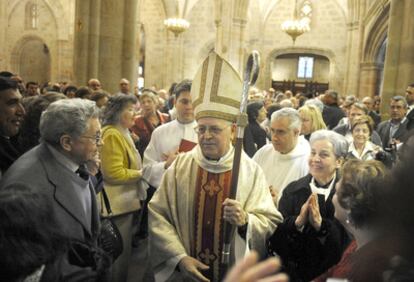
<point x="234" y="213"/>
<point x="189" y="267"/>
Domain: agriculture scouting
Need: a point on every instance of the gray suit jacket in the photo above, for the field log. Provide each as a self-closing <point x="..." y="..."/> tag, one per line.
<point x="40" y="170"/>
<point x="384" y="132"/>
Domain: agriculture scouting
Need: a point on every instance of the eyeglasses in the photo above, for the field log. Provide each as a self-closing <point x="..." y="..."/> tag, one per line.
<point x="214" y="130"/>
<point x="97" y="138"/>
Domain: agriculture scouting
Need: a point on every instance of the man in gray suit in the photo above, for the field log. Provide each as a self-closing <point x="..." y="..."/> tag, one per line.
<point x="70" y="136"/>
<point x="394" y="130"/>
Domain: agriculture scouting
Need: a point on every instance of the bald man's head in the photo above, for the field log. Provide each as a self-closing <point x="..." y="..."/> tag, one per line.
<point x="94" y="84"/>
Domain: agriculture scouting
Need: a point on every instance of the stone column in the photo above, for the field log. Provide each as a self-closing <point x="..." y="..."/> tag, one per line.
<point x="174" y="54"/>
<point x="231" y="28"/>
<point x="93" y="38"/>
<point x="3" y="23"/>
<point x="129" y="60"/>
<point x="399" y="58"/>
<point x="105" y="42"/>
<point x="355" y="35"/>
<point x="81" y="42"/>
<point x="368" y="79"/>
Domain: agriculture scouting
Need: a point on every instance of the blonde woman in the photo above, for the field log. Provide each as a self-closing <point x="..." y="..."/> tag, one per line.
<point x="312" y="120"/>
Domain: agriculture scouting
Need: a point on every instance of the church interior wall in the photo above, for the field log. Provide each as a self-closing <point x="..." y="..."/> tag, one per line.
<point x="169" y="58"/>
<point x="199" y="37"/>
<point x="54" y="28"/>
<point x="151" y="16"/>
<point x="327" y="16"/>
<point x="285" y="67"/>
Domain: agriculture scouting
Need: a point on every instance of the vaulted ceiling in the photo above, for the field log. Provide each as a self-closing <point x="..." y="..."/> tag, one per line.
<point x="181" y="8"/>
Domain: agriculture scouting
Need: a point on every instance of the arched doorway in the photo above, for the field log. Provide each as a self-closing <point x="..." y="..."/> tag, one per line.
<point x="301" y="72"/>
<point x="31" y="60"/>
<point x="380" y="60"/>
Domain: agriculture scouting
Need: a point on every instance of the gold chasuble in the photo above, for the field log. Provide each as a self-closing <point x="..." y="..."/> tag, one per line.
<point x="211" y="190"/>
<point x="185" y="213"/>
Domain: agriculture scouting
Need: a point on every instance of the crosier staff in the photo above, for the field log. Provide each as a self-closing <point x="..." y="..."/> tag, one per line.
<point x="250" y="76"/>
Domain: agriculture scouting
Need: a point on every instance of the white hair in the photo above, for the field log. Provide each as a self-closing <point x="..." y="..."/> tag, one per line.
<point x="292" y="114"/>
<point x="315" y="102"/>
<point x="68" y="116"/>
<point x="339" y="143"/>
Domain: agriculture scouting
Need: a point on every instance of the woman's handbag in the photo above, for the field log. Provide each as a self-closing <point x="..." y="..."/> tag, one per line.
<point x="110" y="239"/>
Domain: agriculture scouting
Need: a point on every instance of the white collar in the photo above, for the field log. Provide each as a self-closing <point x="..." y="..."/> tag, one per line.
<point x="225" y="163"/>
<point x="369" y="147"/>
<point x="322" y="191"/>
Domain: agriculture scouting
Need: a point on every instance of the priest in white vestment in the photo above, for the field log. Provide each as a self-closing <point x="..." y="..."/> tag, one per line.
<point x="171" y="138"/>
<point x="187" y="212"/>
<point x="286" y="158"/>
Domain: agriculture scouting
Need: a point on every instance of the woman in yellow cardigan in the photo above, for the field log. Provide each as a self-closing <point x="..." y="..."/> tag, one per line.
<point x="122" y="173"/>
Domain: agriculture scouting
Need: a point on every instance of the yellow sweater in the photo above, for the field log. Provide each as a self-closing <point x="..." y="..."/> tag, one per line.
<point x="121" y="171"/>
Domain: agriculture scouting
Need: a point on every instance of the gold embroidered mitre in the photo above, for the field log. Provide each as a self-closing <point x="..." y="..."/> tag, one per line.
<point x="216" y="89"/>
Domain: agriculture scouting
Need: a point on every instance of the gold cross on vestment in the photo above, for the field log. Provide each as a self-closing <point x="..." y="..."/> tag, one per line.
<point x="207" y="257"/>
<point x="212" y="188"/>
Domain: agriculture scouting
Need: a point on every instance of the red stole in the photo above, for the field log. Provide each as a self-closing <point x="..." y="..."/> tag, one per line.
<point x="211" y="190"/>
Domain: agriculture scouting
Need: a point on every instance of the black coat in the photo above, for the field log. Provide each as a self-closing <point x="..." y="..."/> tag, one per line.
<point x="8" y="153"/>
<point x="410" y="120"/>
<point x="254" y="138"/>
<point x="376" y="118"/>
<point x="309" y="253"/>
<point x="332" y="115"/>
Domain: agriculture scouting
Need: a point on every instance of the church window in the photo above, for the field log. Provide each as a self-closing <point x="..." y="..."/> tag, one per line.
<point x="32" y="15"/>
<point x="305" y="67"/>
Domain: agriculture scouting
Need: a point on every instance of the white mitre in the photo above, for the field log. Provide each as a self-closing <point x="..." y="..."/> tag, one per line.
<point x="216" y="89"/>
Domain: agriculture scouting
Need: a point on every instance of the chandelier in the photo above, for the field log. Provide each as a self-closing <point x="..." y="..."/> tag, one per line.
<point x="176" y="25"/>
<point x="295" y="27"/>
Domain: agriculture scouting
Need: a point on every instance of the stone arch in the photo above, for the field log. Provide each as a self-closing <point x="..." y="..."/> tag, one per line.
<point x="280" y="51"/>
<point x="376" y="35"/>
<point x="59" y="18"/>
<point x="372" y="65"/>
<point x="30" y="48"/>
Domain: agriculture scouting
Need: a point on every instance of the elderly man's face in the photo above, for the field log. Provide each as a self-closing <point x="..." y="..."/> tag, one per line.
<point x="94" y="84"/>
<point x="11" y="112"/>
<point x="124" y="86"/>
<point x="214" y="137"/>
<point x="368" y="102"/>
<point x="284" y="139"/>
<point x="85" y="147"/>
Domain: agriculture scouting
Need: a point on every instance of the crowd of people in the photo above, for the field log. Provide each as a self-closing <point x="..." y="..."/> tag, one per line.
<point x="324" y="184"/>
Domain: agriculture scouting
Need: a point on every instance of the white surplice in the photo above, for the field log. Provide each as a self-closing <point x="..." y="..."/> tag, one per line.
<point x="164" y="140"/>
<point x="282" y="169"/>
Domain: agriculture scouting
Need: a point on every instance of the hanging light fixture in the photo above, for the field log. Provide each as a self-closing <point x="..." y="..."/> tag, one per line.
<point x="295" y="27"/>
<point x="176" y="25"/>
<point x="179" y="24"/>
